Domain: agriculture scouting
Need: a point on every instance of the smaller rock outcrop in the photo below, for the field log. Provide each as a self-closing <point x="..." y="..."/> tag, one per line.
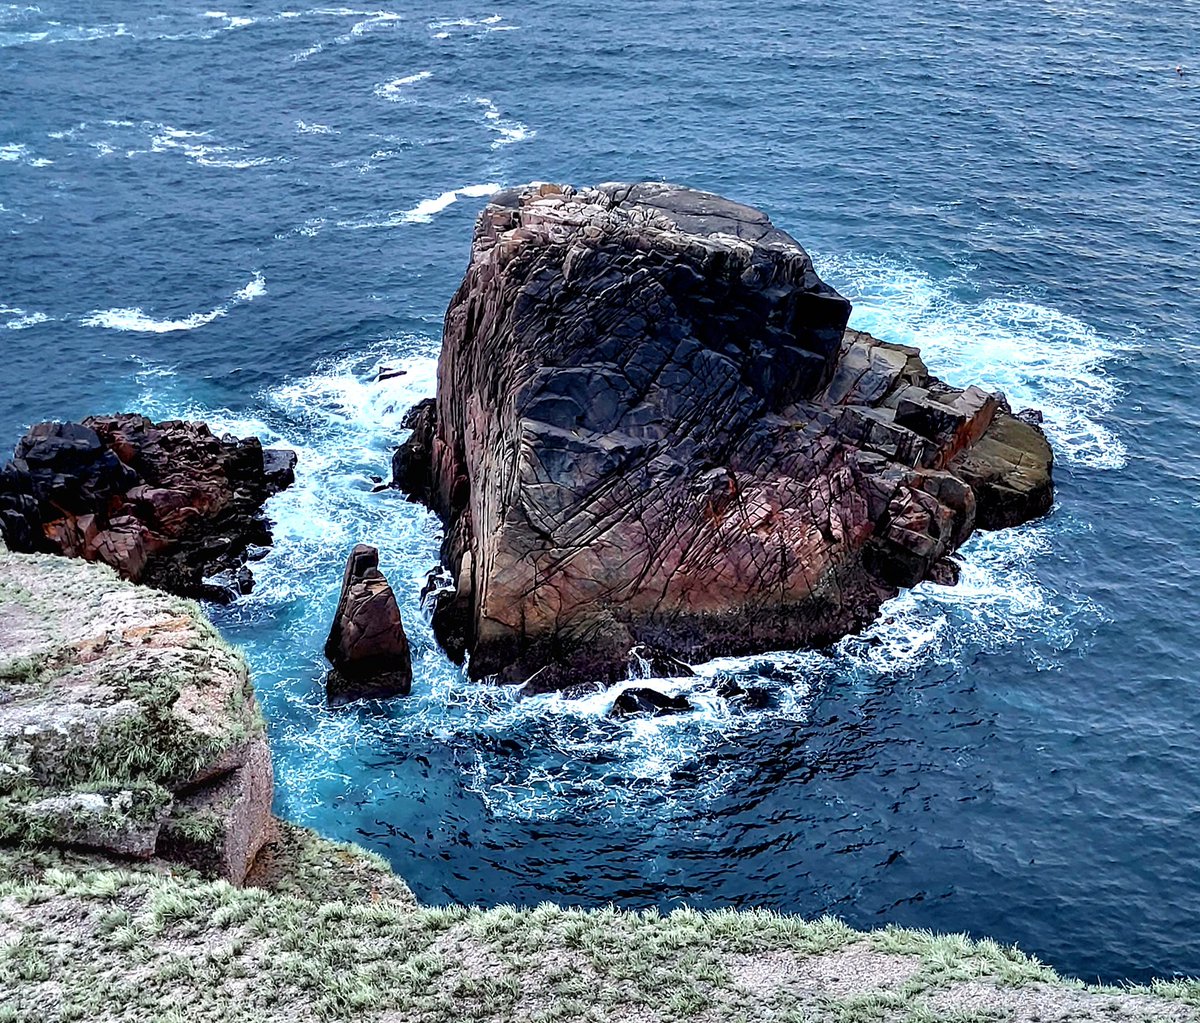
<point x="367" y="645"/>
<point x="642" y="702"/>
<point x="167" y="504"/>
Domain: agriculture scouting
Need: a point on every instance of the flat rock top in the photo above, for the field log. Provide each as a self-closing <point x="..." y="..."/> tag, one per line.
<point x="649" y="206"/>
<point x="73" y="635"/>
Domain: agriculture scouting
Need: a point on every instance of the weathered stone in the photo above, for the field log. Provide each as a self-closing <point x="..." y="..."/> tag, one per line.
<point x="652" y="428"/>
<point x="749" y="697"/>
<point x="126" y="724"/>
<point x="218" y="824"/>
<point x="168" y="504"/>
<point x="367" y="645"/>
<point x="1009" y="471"/>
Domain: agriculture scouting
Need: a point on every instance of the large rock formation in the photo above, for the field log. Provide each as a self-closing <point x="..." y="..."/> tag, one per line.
<point x="126" y="725"/>
<point x="367" y="645"/>
<point x="652" y="427"/>
<point x="168" y="504"/>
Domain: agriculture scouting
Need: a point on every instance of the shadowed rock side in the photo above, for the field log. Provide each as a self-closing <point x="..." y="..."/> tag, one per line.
<point x="367" y="645"/>
<point x="167" y="504"/>
<point x="652" y="427"/>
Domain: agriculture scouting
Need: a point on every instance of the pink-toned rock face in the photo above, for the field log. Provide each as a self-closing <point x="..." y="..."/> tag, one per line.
<point x="653" y="428"/>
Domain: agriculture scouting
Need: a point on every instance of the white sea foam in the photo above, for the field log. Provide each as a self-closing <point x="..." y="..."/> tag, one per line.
<point x="55" y="33"/>
<point x="20" y="319"/>
<point x="426" y="209"/>
<point x="306" y="230"/>
<point x="507" y="130"/>
<point x="393" y="90"/>
<point x="134" y="319"/>
<point x="1035" y="354"/>
<point x="444" y="28"/>
<point x="574" y="757"/>
<point x="19" y="152"/>
<point x="372" y="21"/>
<point x="134" y="139"/>
<point x="198" y="147"/>
<point x="304" y="128"/>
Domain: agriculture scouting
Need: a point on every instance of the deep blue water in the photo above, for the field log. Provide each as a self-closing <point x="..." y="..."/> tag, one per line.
<point x="238" y="214"/>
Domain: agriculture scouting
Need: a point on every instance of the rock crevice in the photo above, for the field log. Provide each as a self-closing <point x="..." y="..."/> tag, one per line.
<point x="652" y="427"/>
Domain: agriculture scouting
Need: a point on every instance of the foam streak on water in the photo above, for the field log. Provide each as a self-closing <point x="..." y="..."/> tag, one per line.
<point x="426" y="209"/>
<point x="133" y="318"/>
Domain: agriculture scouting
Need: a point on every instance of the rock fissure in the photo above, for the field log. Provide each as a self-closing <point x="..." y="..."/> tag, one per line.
<point x="623" y="365"/>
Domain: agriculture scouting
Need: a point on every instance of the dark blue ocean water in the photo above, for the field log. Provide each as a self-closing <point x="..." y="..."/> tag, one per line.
<point x="239" y="213"/>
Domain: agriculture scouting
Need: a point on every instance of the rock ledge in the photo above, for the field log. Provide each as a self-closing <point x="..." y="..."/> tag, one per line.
<point x="127" y="726"/>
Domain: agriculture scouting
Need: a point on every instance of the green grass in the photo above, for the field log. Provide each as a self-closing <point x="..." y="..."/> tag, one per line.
<point x="114" y="945"/>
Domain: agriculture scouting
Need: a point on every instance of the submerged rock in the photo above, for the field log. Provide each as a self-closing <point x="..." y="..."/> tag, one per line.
<point x="367" y="645"/>
<point x="642" y="702"/>
<point x="652" y="427"/>
<point x="167" y="504"/>
<point x="126" y="725"/>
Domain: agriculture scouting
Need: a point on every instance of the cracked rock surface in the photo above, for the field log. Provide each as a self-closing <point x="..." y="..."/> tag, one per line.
<point x="653" y="427"/>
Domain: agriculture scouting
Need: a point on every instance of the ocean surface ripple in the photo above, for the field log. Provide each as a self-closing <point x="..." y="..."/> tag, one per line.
<point x="240" y="214"/>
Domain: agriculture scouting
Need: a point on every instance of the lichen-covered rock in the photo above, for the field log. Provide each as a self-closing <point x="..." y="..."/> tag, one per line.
<point x="652" y="428"/>
<point x="168" y="504"/>
<point x="125" y="722"/>
<point x="367" y="645"/>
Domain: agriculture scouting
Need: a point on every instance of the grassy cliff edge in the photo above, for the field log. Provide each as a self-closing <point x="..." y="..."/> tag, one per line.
<point x="95" y="927"/>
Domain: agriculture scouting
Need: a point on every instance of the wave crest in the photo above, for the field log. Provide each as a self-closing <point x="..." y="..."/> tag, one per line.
<point x="133" y="318"/>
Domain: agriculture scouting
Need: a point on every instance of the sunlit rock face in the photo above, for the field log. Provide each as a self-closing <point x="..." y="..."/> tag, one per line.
<point x="652" y="428"/>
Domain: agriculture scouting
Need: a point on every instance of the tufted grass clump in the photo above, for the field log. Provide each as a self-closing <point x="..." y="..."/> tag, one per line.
<point x="115" y="945"/>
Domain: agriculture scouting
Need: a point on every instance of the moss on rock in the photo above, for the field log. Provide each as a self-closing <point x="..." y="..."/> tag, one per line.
<point x="113" y="699"/>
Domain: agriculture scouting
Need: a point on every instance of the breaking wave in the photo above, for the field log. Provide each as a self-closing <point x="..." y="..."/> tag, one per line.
<point x="134" y="318"/>
<point x="1036" y="355"/>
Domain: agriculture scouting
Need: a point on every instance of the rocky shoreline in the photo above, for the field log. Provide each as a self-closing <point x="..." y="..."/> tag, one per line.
<point x="136" y="783"/>
<point x="654" y="439"/>
<point x="167" y="504"/>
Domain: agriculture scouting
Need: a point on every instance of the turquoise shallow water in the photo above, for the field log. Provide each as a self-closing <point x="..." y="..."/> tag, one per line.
<point x="238" y="213"/>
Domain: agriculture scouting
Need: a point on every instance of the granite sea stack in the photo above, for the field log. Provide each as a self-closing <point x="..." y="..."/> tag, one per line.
<point x="652" y="428"/>
<point x="167" y="504"/>
<point x="367" y="645"/>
